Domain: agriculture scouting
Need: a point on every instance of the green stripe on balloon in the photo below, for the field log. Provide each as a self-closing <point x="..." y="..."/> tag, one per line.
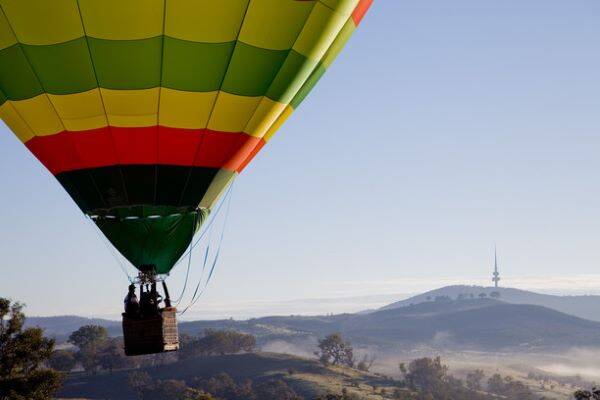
<point x="187" y="65"/>
<point x="234" y="67"/>
<point x="17" y="79"/>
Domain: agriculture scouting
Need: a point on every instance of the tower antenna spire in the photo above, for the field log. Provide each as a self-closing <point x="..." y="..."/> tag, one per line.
<point x="496" y="274"/>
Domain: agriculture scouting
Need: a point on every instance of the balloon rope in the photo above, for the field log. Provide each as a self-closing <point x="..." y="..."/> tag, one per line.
<point x="208" y="225"/>
<point x="187" y="273"/>
<point x="197" y="294"/>
<point x="110" y="248"/>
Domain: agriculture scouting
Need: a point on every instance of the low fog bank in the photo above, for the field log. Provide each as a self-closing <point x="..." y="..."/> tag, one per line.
<point x="576" y="366"/>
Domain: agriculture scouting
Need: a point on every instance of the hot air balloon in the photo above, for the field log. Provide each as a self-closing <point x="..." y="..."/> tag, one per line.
<point x="146" y="110"/>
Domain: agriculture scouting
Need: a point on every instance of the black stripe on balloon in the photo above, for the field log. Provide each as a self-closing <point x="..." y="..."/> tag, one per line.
<point x="99" y="188"/>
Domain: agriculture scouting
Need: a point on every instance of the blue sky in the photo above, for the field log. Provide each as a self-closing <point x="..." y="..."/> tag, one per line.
<point x="443" y="128"/>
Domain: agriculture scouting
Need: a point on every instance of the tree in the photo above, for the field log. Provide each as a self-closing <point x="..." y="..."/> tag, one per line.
<point x="335" y="350"/>
<point x="89" y="337"/>
<point x="365" y="363"/>
<point x="171" y="389"/>
<point x="403" y="370"/>
<point x="111" y="356"/>
<point x="495" y="384"/>
<point x="594" y="394"/>
<point x="509" y="387"/>
<point x="217" y="342"/>
<point x="276" y="389"/>
<point x="482" y="295"/>
<point x="474" y="378"/>
<point x="23" y="353"/>
<point x="495" y="295"/>
<point x="139" y="382"/>
<point x="426" y="374"/>
<point x="62" y="360"/>
<point x="224" y="387"/>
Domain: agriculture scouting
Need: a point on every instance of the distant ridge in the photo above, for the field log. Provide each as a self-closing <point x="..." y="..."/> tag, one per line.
<point x="63" y="325"/>
<point x="481" y="324"/>
<point x="587" y="307"/>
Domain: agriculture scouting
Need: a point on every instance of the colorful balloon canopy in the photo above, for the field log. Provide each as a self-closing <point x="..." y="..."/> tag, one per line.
<point x="145" y="110"/>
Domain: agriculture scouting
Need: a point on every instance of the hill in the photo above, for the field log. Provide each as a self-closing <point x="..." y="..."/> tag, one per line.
<point x="479" y="324"/>
<point x="467" y="324"/>
<point x="580" y="306"/>
<point x="309" y="379"/>
<point x="60" y="327"/>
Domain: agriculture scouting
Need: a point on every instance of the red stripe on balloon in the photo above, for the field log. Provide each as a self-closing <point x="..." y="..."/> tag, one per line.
<point x="69" y="151"/>
<point x="360" y="10"/>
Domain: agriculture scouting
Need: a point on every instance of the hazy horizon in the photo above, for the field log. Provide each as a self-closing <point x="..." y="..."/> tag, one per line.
<point x="257" y="307"/>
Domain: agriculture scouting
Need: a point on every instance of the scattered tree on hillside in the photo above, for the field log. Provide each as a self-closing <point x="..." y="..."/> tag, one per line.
<point x="139" y="382"/>
<point x="509" y="387"/>
<point x="495" y="295"/>
<point x="172" y="389"/>
<point x="224" y="387"/>
<point x="482" y="295"/>
<point x="426" y="374"/>
<point x="23" y="353"/>
<point x="97" y="351"/>
<point x="366" y="363"/>
<point x="474" y="378"/>
<point x="88" y="337"/>
<point x="111" y="356"/>
<point x="335" y="350"/>
<point x="275" y="389"/>
<point x="216" y="342"/>
<point x="62" y="360"/>
<point x="594" y="394"/>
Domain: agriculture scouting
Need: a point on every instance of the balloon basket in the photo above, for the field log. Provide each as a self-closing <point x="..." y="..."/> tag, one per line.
<point x="151" y="334"/>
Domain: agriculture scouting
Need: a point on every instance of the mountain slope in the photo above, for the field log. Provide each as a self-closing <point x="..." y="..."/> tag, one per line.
<point x="587" y="307"/>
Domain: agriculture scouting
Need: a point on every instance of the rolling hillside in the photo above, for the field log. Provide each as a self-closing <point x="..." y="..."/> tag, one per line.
<point x="310" y="378"/>
<point x="587" y="307"/>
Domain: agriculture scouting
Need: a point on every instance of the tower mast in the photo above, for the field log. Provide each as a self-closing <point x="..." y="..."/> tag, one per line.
<point x="496" y="274"/>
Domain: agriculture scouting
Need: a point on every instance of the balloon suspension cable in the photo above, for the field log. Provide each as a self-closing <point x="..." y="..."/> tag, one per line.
<point x="187" y="272"/>
<point x="110" y="249"/>
<point x="194" y="243"/>
<point x="197" y="291"/>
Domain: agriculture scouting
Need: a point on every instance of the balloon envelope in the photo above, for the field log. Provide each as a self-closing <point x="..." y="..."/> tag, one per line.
<point x="145" y="110"/>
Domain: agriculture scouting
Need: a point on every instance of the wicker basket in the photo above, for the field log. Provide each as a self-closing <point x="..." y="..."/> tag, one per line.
<point x="150" y="335"/>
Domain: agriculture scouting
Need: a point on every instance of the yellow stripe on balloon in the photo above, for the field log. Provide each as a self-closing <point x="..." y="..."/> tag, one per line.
<point x="278" y="123"/>
<point x="264" y="117"/>
<point x="15" y="122"/>
<point x="40" y="115"/>
<point x="284" y="20"/>
<point x="48" y="114"/>
<point x="41" y="22"/>
<point x="131" y="108"/>
<point x="81" y="111"/>
<point x="345" y="7"/>
<point x="232" y="113"/>
<point x="207" y="21"/>
<point x="190" y="110"/>
<point x="219" y="184"/>
<point x="122" y="19"/>
<point x="338" y="44"/>
<point x="320" y="31"/>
